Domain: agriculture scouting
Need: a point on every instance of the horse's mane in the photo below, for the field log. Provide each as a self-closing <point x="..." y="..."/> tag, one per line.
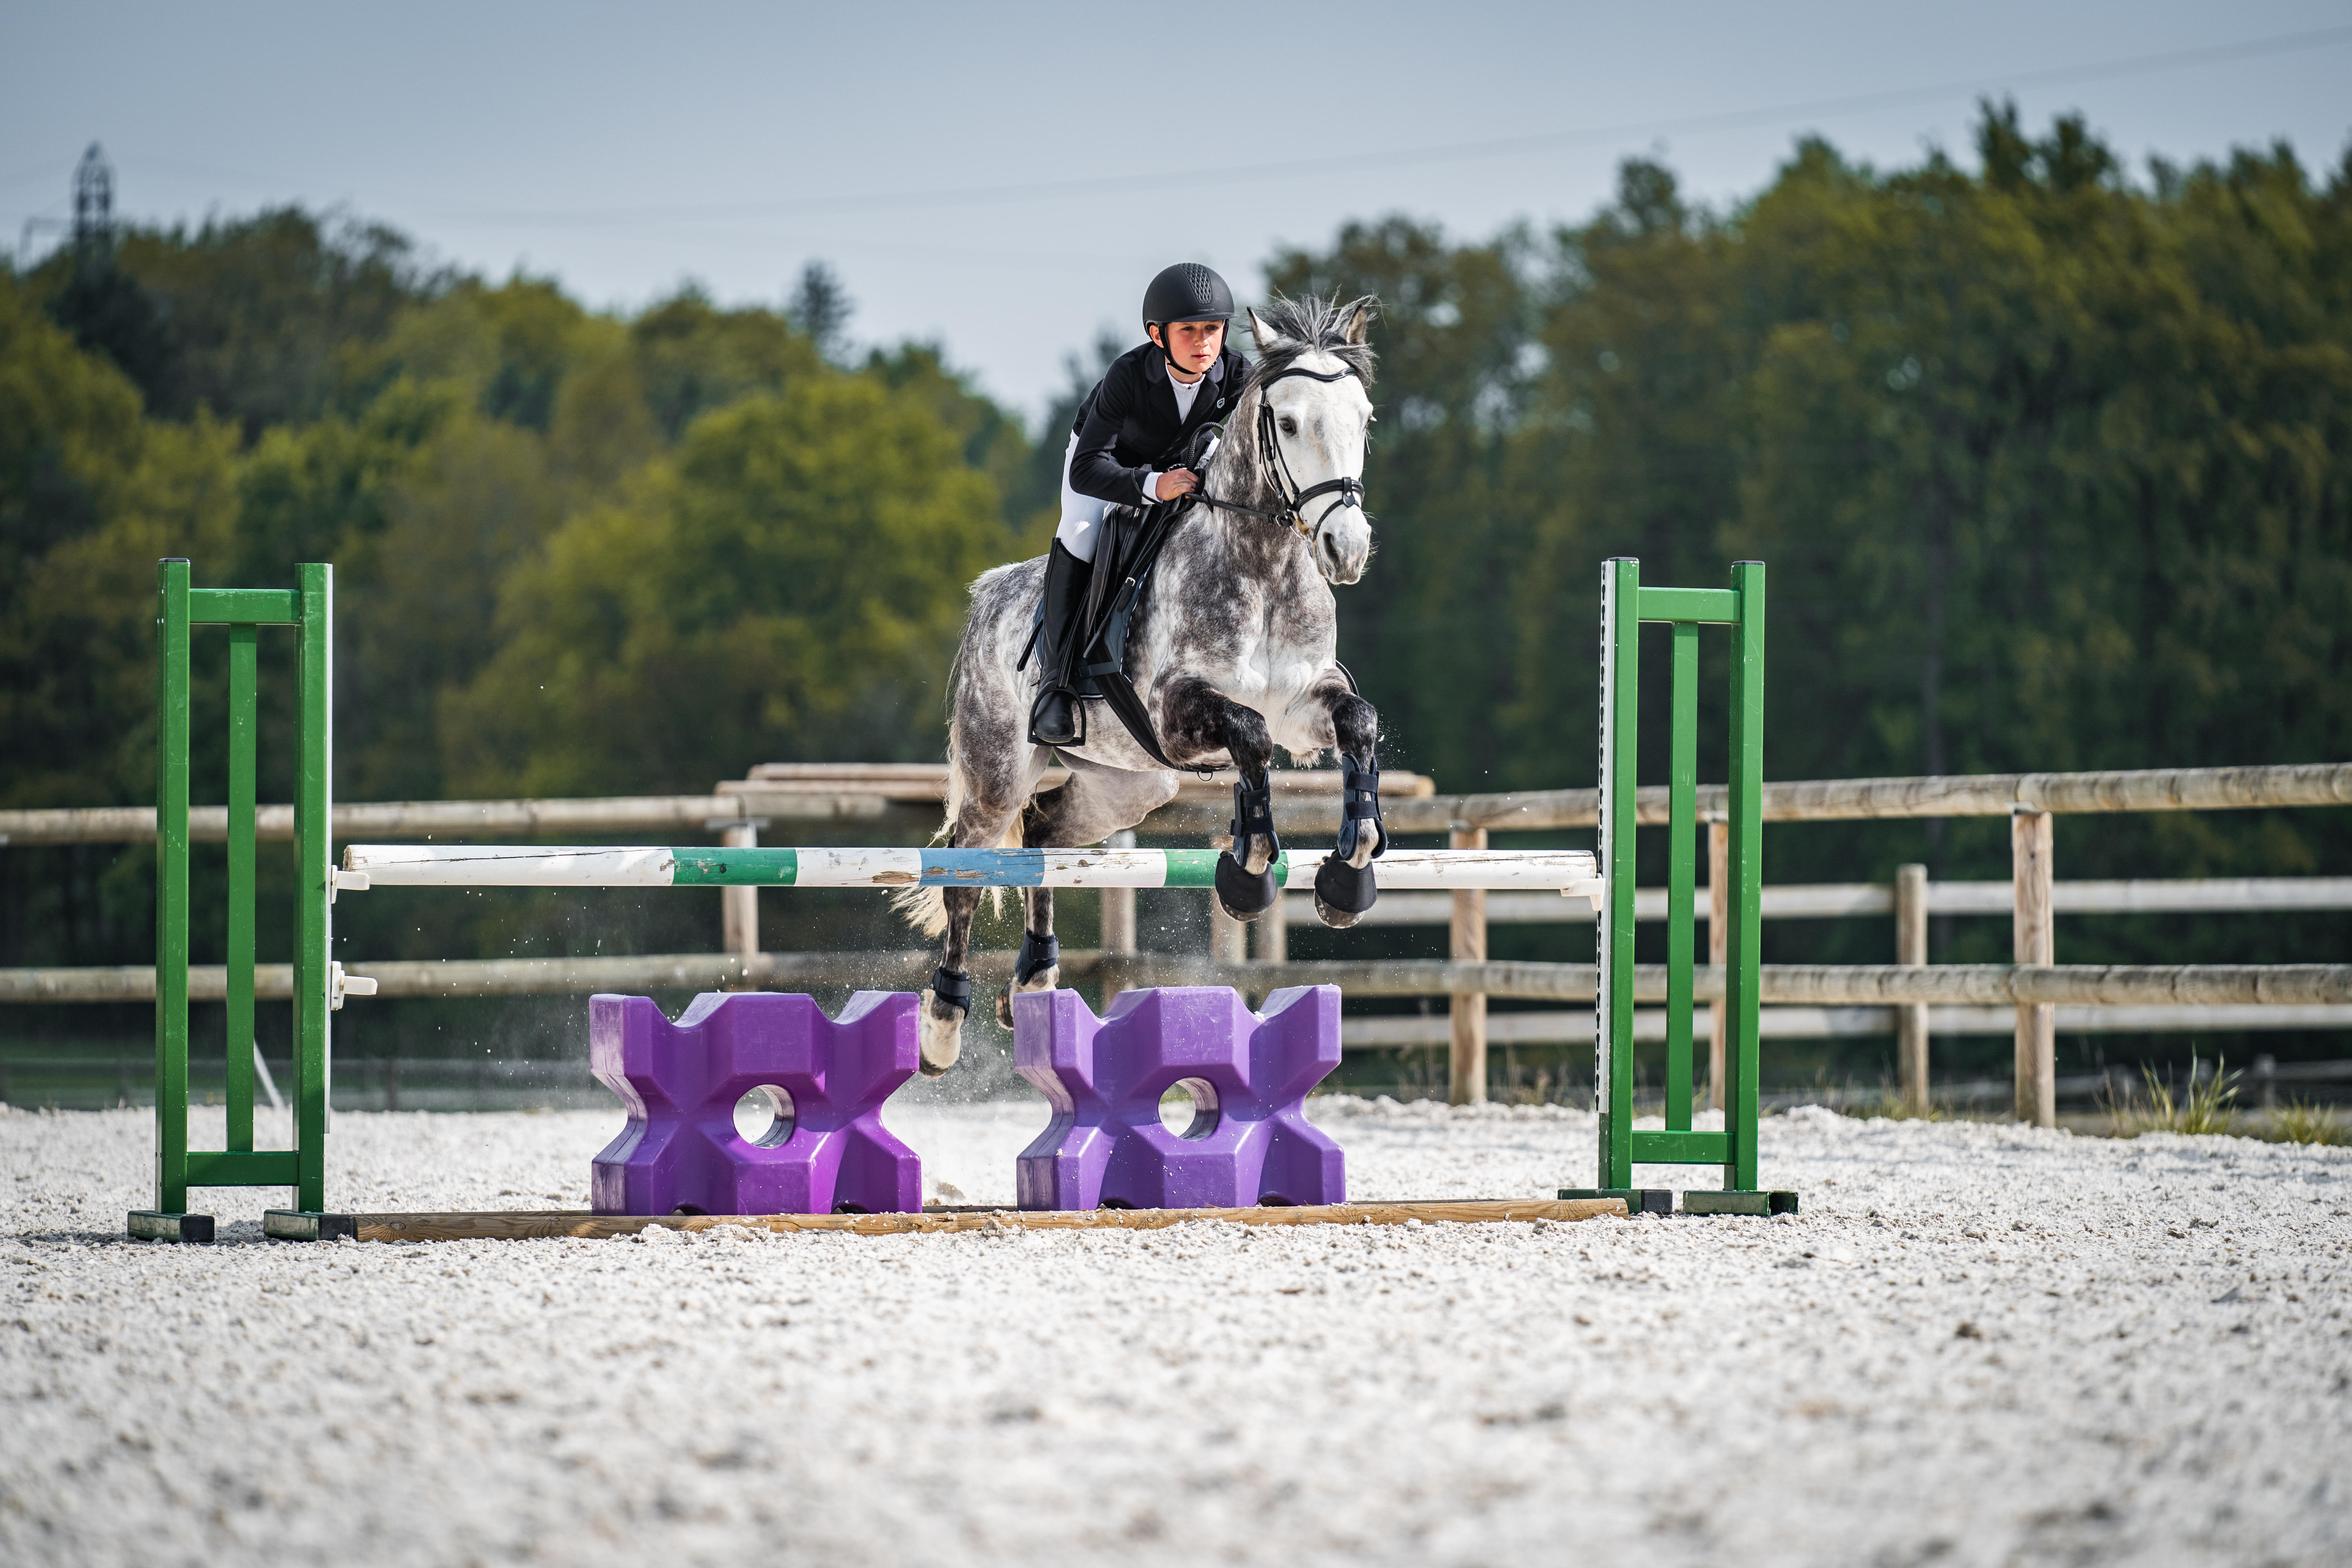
<point x="1297" y="328"/>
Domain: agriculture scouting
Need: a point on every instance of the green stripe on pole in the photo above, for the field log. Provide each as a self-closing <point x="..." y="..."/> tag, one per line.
<point x="744" y="867"/>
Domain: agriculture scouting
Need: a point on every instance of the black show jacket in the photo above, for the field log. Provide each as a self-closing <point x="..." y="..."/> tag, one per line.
<point x="1128" y="426"/>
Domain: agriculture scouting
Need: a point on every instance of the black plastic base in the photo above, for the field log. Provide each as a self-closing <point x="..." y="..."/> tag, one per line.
<point x="304" y="1225"/>
<point x="153" y="1225"/>
<point x="1638" y="1200"/>
<point x="1650" y="1200"/>
<point x="1759" y="1203"/>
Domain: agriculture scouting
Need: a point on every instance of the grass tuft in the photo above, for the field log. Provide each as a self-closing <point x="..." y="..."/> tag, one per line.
<point x="2208" y="1108"/>
<point x="2300" y="1122"/>
<point x="1889" y="1104"/>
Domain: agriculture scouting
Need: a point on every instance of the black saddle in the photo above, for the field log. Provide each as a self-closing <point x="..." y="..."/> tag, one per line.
<point x="1130" y="547"/>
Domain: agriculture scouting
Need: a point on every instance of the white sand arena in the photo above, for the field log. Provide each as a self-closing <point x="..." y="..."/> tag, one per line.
<point x="1978" y="1344"/>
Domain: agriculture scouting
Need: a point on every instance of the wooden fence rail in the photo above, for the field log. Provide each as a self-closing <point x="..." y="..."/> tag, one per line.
<point x="1570" y="1026"/>
<point x="871" y="795"/>
<point x="851" y="794"/>
<point x="2263" y="985"/>
<point x="1836" y="900"/>
<point x="906" y="794"/>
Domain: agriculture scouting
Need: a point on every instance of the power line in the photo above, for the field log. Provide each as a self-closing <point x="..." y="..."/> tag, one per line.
<point x="1444" y="152"/>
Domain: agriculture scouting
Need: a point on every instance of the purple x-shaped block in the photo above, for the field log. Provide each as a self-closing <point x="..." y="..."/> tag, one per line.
<point x="681" y="1150"/>
<point x="1249" y="1142"/>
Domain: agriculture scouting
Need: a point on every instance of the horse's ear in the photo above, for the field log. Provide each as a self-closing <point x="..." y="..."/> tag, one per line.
<point x="1265" y="336"/>
<point x="1360" y="319"/>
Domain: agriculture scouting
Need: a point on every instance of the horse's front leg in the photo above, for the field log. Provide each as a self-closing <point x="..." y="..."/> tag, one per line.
<point x="1198" y="721"/>
<point x="1344" y="888"/>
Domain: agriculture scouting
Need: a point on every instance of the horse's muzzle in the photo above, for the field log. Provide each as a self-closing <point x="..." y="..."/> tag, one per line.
<point x="1342" y="546"/>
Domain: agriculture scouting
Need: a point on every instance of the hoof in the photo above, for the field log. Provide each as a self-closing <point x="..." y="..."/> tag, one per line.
<point x="941" y="1036"/>
<point x="1241" y="895"/>
<point x="1343" y="893"/>
<point x="1043" y="980"/>
<point x="1338" y="919"/>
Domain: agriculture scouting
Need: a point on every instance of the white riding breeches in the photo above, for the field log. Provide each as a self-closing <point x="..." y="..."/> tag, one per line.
<point x="1081" y="515"/>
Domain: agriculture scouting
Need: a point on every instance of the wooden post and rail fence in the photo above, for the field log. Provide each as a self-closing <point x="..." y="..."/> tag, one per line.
<point x="907" y="795"/>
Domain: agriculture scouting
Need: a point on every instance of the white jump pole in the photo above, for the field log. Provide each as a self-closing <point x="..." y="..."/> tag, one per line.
<point x="1573" y="872"/>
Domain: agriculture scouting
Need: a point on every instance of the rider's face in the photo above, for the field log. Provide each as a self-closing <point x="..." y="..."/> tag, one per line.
<point x="1190" y="346"/>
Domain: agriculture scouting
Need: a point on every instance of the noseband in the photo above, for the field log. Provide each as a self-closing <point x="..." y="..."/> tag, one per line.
<point x="1349" y="491"/>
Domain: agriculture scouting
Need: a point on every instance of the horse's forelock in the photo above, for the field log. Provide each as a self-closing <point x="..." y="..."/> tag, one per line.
<point x="1311" y="324"/>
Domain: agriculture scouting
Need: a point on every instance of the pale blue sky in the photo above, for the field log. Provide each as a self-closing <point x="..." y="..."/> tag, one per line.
<point x="622" y="149"/>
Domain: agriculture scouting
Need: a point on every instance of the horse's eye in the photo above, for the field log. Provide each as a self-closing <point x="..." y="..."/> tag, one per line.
<point x="1289" y="425"/>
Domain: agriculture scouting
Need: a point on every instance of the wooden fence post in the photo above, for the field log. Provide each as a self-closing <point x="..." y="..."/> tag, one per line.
<point x="1911" y="1021"/>
<point x="1274" y="932"/>
<point x="1118" y="904"/>
<point x="1466" y="1072"/>
<point x="739" y="908"/>
<point x="2036" y="943"/>
<point x="1228" y="938"/>
<point x="1718" y="944"/>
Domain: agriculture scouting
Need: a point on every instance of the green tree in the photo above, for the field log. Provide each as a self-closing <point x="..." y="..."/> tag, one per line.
<point x="790" y="585"/>
<point x="1452" y="338"/>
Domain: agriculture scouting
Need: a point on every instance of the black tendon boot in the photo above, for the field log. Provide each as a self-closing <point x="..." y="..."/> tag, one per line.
<point x="1243" y="896"/>
<point x="1342" y="893"/>
<point x="1057" y="717"/>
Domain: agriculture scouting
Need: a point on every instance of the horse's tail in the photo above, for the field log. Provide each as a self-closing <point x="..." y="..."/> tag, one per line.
<point x="925" y="908"/>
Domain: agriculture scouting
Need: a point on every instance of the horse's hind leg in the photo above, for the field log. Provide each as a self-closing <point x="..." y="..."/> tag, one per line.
<point x="1094" y="803"/>
<point x="979" y="822"/>
<point x="1200" y="720"/>
<point x="950" y="997"/>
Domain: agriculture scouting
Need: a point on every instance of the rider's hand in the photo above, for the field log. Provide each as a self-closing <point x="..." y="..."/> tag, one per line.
<point x="1177" y="483"/>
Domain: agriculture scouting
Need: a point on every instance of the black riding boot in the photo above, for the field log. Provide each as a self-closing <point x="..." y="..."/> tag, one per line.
<point x="1056" y="718"/>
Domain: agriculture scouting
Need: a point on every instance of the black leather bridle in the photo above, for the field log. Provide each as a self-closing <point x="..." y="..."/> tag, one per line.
<point x="1349" y="491"/>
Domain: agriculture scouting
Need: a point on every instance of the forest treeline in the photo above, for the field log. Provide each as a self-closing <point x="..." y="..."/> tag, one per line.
<point x="2051" y="462"/>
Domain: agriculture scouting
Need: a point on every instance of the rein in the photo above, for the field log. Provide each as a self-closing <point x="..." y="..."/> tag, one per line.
<point x="1349" y="491"/>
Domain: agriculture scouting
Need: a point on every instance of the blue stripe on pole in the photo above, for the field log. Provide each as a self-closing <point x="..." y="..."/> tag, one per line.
<point x="984" y="867"/>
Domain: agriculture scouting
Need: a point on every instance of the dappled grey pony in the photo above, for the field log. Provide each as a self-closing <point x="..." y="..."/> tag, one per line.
<point x="1233" y="652"/>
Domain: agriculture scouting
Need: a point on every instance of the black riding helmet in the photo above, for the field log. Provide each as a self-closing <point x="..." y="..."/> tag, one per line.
<point x="1187" y="292"/>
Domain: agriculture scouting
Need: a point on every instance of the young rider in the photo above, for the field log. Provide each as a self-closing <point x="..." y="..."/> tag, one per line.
<point x="1125" y="446"/>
